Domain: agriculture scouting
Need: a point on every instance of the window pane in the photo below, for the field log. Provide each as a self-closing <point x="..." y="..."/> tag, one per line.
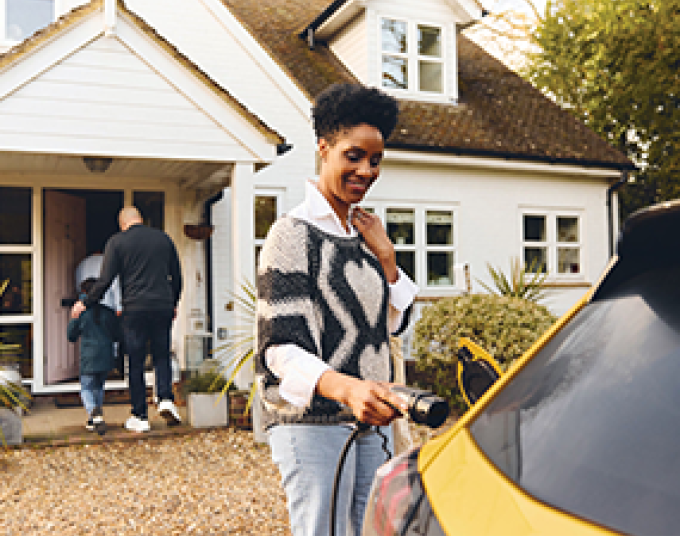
<point x="16" y="348"/>
<point x="568" y="260"/>
<point x="257" y="257"/>
<point x="24" y="17"/>
<point x="429" y="41"/>
<point x="265" y="214"/>
<point x="16" y="289"/>
<point x="430" y="75"/>
<point x="440" y="268"/>
<point x="567" y="229"/>
<point x="534" y="228"/>
<point x="151" y="205"/>
<point x="535" y="259"/>
<point x="400" y="225"/>
<point x="395" y="72"/>
<point x="15" y="216"/>
<point x="406" y="260"/>
<point x="439" y="227"/>
<point x="394" y="36"/>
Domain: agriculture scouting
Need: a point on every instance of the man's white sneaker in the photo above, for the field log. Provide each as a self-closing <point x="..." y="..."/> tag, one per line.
<point x="135" y="424"/>
<point x="168" y="411"/>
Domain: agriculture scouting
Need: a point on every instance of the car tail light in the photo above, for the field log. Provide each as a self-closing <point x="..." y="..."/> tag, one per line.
<point x="398" y="505"/>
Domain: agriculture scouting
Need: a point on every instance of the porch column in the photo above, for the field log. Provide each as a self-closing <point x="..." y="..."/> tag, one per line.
<point x="243" y="251"/>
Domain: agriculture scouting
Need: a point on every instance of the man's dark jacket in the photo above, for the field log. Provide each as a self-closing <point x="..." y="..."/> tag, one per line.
<point x="150" y="273"/>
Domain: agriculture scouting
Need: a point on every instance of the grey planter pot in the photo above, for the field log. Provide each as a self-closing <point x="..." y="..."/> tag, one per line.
<point x="12" y="427"/>
<point x="204" y="410"/>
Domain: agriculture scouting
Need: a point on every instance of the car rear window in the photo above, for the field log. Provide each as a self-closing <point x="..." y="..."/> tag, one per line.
<point x="592" y="424"/>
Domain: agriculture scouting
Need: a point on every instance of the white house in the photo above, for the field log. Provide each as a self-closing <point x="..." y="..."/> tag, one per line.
<point x="203" y="107"/>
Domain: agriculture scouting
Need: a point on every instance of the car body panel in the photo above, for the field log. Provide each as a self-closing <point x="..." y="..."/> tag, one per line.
<point x="432" y="448"/>
<point x="470" y="497"/>
<point x="468" y="494"/>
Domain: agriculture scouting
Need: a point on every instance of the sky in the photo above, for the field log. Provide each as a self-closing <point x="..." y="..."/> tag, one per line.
<point x="519" y="5"/>
<point x="511" y="52"/>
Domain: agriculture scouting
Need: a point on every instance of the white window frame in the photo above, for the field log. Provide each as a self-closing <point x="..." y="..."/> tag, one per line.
<point x="278" y="195"/>
<point x="414" y="58"/>
<point x="421" y="248"/>
<point x="551" y="243"/>
<point x="6" y="42"/>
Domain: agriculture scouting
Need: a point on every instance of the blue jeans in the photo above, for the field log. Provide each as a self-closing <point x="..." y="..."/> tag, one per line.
<point x="307" y="456"/>
<point x="92" y="390"/>
<point x="140" y="327"/>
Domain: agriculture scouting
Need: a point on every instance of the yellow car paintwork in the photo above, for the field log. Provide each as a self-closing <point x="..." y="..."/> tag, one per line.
<point x="470" y="496"/>
<point x="474" y="499"/>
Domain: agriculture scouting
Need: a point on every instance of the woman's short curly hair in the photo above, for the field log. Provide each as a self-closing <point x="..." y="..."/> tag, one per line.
<point x="343" y="106"/>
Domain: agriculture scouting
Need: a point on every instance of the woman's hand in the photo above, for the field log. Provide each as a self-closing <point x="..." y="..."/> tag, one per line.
<point x="371" y="402"/>
<point x="375" y="237"/>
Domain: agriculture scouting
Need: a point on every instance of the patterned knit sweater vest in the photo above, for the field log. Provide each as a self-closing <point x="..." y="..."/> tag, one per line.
<point x="329" y="296"/>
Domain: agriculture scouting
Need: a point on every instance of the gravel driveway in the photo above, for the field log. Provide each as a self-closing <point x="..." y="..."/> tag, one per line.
<point x="211" y="483"/>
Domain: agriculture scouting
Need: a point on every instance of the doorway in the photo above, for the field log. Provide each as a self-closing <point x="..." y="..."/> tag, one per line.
<point x="77" y="224"/>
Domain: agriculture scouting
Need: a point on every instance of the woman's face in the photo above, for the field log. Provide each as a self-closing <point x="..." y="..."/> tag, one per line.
<point x="350" y="166"/>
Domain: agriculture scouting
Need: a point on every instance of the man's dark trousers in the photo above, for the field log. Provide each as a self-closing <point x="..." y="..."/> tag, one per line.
<point x="138" y="328"/>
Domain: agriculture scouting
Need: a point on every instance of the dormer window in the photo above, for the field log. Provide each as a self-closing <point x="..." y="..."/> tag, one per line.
<point x="22" y="18"/>
<point x="412" y="56"/>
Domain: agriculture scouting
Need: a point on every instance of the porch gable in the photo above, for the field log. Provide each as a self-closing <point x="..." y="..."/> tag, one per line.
<point x="87" y="90"/>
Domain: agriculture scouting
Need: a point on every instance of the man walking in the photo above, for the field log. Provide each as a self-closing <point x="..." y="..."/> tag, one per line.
<point x="146" y="261"/>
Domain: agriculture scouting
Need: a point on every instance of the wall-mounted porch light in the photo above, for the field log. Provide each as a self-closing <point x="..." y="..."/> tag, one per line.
<point x="97" y="164"/>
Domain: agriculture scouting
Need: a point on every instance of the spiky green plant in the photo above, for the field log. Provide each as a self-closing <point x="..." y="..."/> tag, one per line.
<point x="239" y="351"/>
<point x="524" y="282"/>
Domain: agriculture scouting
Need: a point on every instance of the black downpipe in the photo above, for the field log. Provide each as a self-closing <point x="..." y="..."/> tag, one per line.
<point x="610" y="214"/>
<point x="207" y="212"/>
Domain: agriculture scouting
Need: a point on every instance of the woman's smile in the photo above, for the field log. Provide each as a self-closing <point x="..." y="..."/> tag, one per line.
<point x="351" y="164"/>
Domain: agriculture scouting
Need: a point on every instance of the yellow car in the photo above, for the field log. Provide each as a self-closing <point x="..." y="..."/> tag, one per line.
<point x="582" y="435"/>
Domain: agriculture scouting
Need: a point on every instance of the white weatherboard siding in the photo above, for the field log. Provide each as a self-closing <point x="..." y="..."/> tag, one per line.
<point x="350" y="46"/>
<point x="206" y="32"/>
<point x="105" y="100"/>
<point x="488" y="207"/>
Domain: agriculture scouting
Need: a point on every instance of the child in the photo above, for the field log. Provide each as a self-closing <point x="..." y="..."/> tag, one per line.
<point x="98" y="327"/>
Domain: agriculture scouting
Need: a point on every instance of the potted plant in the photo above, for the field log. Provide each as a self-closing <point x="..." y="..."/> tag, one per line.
<point x="13" y="399"/>
<point x="207" y="403"/>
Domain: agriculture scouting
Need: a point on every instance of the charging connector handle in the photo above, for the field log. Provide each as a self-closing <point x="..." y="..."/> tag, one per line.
<point x="424" y="407"/>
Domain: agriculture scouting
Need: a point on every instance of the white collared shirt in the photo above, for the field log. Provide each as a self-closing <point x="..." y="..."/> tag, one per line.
<point x="298" y="369"/>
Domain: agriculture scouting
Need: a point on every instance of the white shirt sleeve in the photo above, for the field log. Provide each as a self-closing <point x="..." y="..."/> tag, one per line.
<point x="298" y="370"/>
<point x="402" y="293"/>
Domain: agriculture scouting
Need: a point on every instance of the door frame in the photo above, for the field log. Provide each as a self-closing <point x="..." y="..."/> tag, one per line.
<point x="40" y="183"/>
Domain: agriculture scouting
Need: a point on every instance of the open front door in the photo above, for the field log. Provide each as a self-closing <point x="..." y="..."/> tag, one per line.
<point x="65" y="246"/>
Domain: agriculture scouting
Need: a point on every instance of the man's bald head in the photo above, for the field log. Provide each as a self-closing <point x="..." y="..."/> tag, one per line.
<point x="129" y="216"/>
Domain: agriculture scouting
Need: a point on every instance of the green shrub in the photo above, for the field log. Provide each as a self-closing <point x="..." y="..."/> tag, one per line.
<point x="504" y="326"/>
<point x="205" y="382"/>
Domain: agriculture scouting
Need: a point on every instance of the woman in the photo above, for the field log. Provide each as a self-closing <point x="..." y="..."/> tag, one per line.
<point x="329" y="294"/>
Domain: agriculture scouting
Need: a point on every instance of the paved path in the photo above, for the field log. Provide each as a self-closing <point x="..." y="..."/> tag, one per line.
<point x="47" y="423"/>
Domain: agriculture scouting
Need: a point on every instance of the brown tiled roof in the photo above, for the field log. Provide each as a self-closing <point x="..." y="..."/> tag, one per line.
<point x="72" y="17"/>
<point x="498" y="113"/>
